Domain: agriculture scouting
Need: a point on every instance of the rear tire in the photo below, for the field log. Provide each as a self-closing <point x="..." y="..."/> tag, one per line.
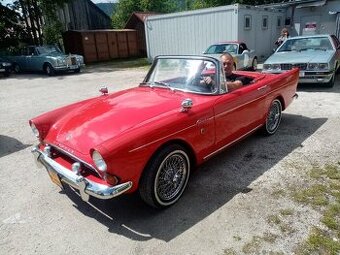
<point x="254" y="64"/>
<point x="166" y="176"/>
<point x="273" y="118"/>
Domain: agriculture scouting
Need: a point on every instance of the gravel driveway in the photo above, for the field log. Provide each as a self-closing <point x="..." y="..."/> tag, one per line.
<point x="234" y="203"/>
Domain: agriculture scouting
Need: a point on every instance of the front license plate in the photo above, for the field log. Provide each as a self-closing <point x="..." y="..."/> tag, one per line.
<point x="302" y="74"/>
<point x="55" y="178"/>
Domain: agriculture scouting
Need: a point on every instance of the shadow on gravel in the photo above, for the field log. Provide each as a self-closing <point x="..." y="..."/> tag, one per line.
<point x="10" y="145"/>
<point x="212" y="186"/>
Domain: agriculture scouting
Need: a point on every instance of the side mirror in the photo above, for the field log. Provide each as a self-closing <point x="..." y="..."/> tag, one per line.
<point x="186" y="105"/>
<point x="104" y="90"/>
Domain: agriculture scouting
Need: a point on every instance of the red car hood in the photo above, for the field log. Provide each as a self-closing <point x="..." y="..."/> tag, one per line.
<point x="109" y="116"/>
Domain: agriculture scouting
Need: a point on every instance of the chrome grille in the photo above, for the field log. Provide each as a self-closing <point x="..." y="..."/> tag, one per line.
<point x="85" y="168"/>
<point x="301" y="66"/>
<point x="286" y="66"/>
<point x="73" y="61"/>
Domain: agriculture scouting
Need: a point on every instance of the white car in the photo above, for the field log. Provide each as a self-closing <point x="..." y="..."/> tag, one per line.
<point x="317" y="57"/>
<point x="244" y="58"/>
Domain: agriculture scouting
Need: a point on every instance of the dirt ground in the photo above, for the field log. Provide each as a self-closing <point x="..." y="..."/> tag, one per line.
<point x="239" y="202"/>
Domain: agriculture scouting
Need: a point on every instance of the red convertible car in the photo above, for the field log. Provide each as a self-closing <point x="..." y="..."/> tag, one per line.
<point x="149" y="138"/>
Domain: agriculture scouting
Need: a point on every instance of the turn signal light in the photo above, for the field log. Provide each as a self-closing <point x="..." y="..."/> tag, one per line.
<point x="111" y="179"/>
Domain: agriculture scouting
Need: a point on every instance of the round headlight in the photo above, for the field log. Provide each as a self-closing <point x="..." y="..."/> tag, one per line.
<point x="35" y="130"/>
<point x="99" y="161"/>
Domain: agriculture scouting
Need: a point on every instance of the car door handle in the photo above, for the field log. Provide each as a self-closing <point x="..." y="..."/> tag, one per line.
<point x="263" y="87"/>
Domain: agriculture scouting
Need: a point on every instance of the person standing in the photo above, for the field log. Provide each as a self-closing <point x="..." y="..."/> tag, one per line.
<point x="283" y="36"/>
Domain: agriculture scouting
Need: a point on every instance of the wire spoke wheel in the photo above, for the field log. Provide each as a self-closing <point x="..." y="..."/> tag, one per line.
<point x="171" y="176"/>
<point x="274" y="117"/>
<point x="165" y="177"/>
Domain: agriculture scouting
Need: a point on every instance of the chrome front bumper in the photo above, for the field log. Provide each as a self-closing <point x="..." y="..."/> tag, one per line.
<point x="85" y="186"/>
<point x="309" y="77"/>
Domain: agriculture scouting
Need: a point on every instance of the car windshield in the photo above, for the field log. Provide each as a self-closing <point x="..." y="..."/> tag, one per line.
<point x="48" y="49"/>
<point x="191" y="75"/>
<point x="221" y="48"/>
<point x="306" y="44"/>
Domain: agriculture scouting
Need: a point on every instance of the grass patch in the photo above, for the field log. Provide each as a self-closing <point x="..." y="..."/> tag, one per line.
<point x="315" y="195"/>
<point x="319" y="242"/>
<point x="274" y="219"/>
<point x="229" y="251"/>
<point x="286" y="212"/>
<point x="255" y="245"/>
<point x="237" y="238"/>
<point x="323" y="194"/>
<point x="278" y="193"/>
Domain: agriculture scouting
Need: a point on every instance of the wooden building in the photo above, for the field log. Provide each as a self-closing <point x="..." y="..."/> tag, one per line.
<point x="136" y="22"/>
<point x="83" y="15"/>
<point x="102" y="44"/>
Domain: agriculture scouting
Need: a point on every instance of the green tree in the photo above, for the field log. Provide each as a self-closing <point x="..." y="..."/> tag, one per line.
<point x="38" y="17"/>
<point x="12" y="28"/>
<point x="126" y="7"/>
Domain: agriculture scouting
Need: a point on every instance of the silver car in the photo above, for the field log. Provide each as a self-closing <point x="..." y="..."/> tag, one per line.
<point x="317" y="57"/>
<point x="244" y="58"/>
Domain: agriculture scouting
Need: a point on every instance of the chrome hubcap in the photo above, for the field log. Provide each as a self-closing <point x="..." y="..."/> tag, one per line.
<point x="274" y="117"/>
<point x="171" y="176"/>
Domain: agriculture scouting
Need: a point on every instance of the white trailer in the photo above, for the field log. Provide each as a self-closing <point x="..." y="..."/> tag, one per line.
<point x="191" y="32"/>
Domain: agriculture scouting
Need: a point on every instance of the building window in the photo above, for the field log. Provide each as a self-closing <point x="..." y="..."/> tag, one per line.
<point x="264" y="22"/>
<point x="279" y="22"/>
<point x="247" y="22"/>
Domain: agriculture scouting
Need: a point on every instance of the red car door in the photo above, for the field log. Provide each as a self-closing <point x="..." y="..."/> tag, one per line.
<point x="239" y="112"/>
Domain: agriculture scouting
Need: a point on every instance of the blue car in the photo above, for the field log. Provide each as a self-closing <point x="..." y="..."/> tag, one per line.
<point x="316" y="56"/>
<point x="49" y="59"/>
<point x="5" y="67"/>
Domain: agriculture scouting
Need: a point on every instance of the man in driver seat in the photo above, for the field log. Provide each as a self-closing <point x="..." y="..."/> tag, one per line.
<point x="233" y="81"/>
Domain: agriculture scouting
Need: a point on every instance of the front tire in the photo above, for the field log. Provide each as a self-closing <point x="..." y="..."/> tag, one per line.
<point x="330" y="84"/>
<point x="273" y="119"/>
<point x="254" y="64"/>
<point x="49" y="70"/>
<point x="165" y="177"/>
<point x="16" y="68"/>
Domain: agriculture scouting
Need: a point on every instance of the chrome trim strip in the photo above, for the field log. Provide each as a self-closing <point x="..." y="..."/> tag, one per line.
<point x="197" y="123"/>
<point x="225" y="146"/>
<point x="85" y="186"/>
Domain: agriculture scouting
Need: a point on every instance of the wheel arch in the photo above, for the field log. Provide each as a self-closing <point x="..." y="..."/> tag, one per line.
<point x="282" y="101"/>
<point x="184" y="144"/>
<point x="45" y="64"/>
